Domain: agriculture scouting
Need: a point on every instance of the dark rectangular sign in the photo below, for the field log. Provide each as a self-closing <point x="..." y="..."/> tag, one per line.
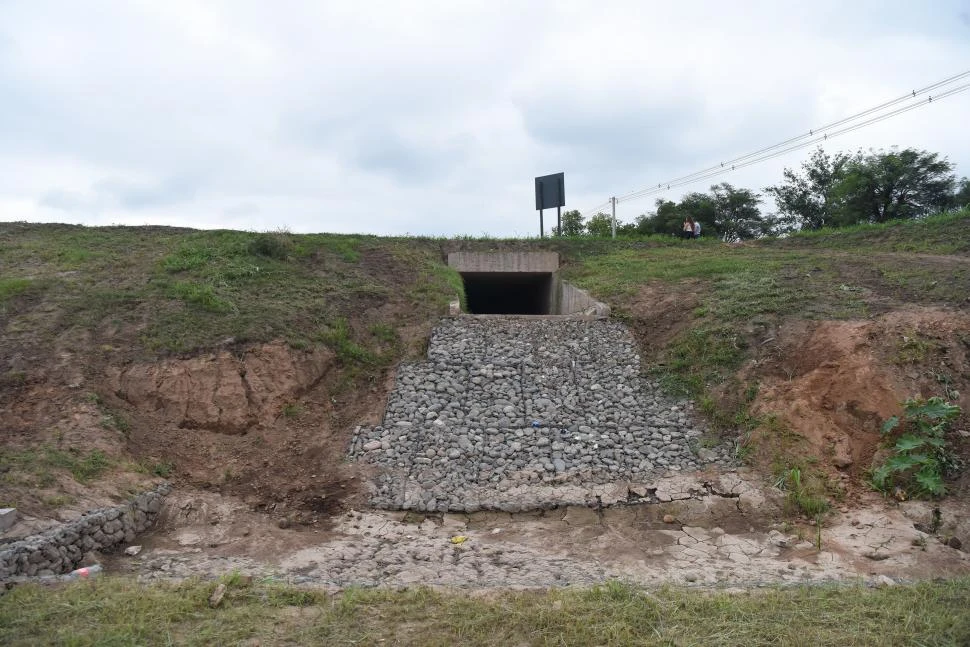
<point x="550" y="191"/>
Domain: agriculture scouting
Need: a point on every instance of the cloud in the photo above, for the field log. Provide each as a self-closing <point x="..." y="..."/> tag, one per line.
<point x="111" y="193"/>
<point x="434" y="117"/>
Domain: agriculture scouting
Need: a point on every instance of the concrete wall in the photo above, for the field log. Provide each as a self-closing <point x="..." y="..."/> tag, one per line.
<point x="573" y="300"/>
<point x="504" y="261"/>
<point x="61" y="549"/>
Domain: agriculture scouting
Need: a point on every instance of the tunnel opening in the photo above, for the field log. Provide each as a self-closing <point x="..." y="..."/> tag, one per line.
<point x="509" y="293"/>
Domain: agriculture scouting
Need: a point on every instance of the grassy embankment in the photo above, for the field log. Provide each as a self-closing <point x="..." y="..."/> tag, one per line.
<point x="106" y="296"/>
<point x="185" y="290"/>
<point x="116" y="611"/>
<point x="741" y="291"/>
<point x="150" y="291"/>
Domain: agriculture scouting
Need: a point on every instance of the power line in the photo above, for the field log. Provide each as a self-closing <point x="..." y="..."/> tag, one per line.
<point x="815" y="134"/>
<point x="778" y="153"/>
<point x="821" y="129"/>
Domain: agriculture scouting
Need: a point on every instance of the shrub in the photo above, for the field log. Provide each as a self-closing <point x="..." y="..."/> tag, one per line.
<point x="921" y="458"/>
<point x="276" y="245"/>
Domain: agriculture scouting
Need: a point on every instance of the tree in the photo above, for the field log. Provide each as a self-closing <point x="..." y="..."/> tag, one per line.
<point x="665" y="220"/>
<point x="903" y="184"/>
<point x="805" y="201"/>
<point x="572" y="224"/>
<point x="701" y="207"/>
<point x="961" y="198"/>
<point x="600" y="225"/>
<point x="627" y="229"/>
<point x="736" y="213"/>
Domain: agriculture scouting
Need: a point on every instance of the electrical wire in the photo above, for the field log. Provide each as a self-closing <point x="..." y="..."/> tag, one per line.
<point x="821" y="129"/>
<point x="876" y="119"/>
<point x="815" y="134"/>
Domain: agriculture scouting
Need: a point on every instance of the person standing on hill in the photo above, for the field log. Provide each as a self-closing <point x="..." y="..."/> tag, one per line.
<point x="688" y="227"/>
<point x="697" y="229"/>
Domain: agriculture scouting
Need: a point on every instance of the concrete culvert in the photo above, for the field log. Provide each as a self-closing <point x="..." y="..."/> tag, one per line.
<point x="519" y="283"/>
<point x="514" y="293"/>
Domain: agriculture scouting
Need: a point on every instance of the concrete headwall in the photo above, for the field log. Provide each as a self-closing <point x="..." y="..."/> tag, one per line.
<point x="558" y="299"/>
<point x="61" y="549"/>
<point x="535" y="262"/>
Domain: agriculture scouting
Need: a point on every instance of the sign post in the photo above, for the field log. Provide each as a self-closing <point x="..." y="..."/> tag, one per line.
<point x="550" y="192"/>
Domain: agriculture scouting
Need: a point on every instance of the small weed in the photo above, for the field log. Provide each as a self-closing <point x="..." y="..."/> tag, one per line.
<point x="913" y="349"/>
<point x="803" y="494"/>
<point x="113" y="420"/>
<point x="89" y="467"/>
<point x="292" y="410"/>
<point x="338" y="337"/>
<point x="163" y="469"/>
<point x="58" y="500"/>
<point x="279" y="596"/>
<point x="385" y="333"/>
<point x="948" y="391"/>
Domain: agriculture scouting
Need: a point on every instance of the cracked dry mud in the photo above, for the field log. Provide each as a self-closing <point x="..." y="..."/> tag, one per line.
<point x="720" y="537"/>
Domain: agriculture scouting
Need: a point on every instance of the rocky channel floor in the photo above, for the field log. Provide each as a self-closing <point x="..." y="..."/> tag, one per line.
<point x="519" y="413"/>
<point x="715" y="530"/>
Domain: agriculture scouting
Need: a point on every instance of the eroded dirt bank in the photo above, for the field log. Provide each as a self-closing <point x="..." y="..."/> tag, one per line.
<point x="835" y="382"/>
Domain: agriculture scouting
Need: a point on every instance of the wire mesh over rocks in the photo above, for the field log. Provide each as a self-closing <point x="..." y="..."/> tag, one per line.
<point x="513" y="413"/>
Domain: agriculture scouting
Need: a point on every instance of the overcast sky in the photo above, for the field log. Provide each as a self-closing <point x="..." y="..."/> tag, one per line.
<point x="435" y="117"/>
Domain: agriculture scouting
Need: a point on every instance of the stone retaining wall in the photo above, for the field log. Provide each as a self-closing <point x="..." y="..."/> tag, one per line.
<point x="61" y="549"/>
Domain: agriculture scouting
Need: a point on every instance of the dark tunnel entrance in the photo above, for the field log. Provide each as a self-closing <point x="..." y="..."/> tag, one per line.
<point x="508" y="293"/>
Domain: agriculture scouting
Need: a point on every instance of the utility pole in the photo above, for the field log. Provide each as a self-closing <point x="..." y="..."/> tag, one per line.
<point x="613" y="202"/>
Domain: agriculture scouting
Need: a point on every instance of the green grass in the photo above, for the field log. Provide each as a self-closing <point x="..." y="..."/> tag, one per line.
<point x="805" y="491"/>
<point x="10" y="288"/>
<point x="114" y="611"/>
<point x="38" y="464"/>
<point x="182" y="291"/>
<point x="947" y="233"/>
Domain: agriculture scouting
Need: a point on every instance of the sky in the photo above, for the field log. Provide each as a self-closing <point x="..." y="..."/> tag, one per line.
<point x="434" y="118"/>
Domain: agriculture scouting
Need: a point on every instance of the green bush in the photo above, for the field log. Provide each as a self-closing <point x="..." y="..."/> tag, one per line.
<point x="276" y="245"/>
<point x="921" y="458"/>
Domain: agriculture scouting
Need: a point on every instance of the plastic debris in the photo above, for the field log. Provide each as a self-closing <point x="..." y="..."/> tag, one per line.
<point x="85" y="572"/>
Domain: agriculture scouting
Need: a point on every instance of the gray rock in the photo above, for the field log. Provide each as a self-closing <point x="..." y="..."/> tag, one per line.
<point x="494" y="377"/>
